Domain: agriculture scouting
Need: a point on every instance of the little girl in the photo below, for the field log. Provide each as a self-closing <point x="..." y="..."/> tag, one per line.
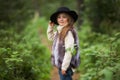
<point x="64" y="41"/>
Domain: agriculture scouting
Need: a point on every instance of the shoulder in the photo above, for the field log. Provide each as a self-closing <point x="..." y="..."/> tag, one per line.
<point x="69" y="35"/>
<point x="72" y="31"/>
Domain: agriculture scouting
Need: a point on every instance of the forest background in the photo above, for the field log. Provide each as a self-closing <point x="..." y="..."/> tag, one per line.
<point x="25" y="51"/>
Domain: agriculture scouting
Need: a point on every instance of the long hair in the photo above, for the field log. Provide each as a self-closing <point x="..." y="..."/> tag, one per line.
<point x="66" y="28"/>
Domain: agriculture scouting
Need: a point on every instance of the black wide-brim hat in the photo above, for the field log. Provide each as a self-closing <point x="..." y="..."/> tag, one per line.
<point x="73" y="14"/>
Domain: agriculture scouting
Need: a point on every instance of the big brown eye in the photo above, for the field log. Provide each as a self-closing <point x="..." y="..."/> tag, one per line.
<point x="58" y="17"/>
<point x="64" y="16"/>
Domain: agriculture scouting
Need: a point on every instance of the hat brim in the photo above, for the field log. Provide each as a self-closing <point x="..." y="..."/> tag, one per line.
<point x="73" y="14"/>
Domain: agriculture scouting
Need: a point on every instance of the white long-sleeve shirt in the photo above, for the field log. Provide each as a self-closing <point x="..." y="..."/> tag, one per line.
<point x="69" y="45"/>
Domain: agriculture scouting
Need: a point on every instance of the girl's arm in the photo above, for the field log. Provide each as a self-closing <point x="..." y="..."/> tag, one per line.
<point x="69" y="46"/>
<point x="50" y="32"/>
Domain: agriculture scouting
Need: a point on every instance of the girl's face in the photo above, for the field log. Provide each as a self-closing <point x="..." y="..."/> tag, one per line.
<point x="62" y="19"/>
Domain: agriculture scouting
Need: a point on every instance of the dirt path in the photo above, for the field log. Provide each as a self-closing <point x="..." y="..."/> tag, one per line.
<point x="54" y="71"/>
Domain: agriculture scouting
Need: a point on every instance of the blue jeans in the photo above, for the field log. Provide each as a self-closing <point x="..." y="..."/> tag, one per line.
<point x="68" y="75"/>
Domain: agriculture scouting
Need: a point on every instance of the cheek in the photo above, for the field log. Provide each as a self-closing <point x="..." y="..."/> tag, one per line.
<point x="66" y="20"/>
<point x="57" y="20"/>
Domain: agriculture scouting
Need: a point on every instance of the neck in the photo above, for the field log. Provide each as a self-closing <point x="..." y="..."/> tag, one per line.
<point x="59" y="28"/>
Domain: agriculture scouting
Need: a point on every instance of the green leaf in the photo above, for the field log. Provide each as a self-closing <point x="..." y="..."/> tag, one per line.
<point x="107" y="73"/>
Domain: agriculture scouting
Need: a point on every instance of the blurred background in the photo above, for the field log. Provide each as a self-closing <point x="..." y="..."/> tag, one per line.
<point x="25" y="50"/>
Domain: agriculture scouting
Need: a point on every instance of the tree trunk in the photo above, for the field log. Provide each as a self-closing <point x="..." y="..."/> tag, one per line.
<point x="80" y="8"/>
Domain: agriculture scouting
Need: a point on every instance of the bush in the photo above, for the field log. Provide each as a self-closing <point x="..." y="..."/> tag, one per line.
<point x="23" y="56"/>
<point x="100" y="55"/>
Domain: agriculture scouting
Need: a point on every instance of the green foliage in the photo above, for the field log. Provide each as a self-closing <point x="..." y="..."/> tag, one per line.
<point x="104" y="15"/>
<point x="23" y="56"/>
<point x="47" y="7"/>
<point x="15" y="12"/>
<point x="100" y="55"/>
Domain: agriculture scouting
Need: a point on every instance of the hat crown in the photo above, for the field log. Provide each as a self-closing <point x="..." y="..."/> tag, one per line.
<point x="73" y="14"/>
<point x="63" y="9"/>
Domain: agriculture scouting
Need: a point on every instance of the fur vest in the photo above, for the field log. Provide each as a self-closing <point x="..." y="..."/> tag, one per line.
<point x="58" y="51"/>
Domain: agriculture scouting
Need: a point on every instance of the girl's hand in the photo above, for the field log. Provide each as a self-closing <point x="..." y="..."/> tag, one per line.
<point x="63" y="72"/>
<point x="51" y="24"/>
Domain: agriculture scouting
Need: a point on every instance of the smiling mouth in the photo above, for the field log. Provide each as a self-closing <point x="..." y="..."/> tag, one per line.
<point x="61" y="22"/>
